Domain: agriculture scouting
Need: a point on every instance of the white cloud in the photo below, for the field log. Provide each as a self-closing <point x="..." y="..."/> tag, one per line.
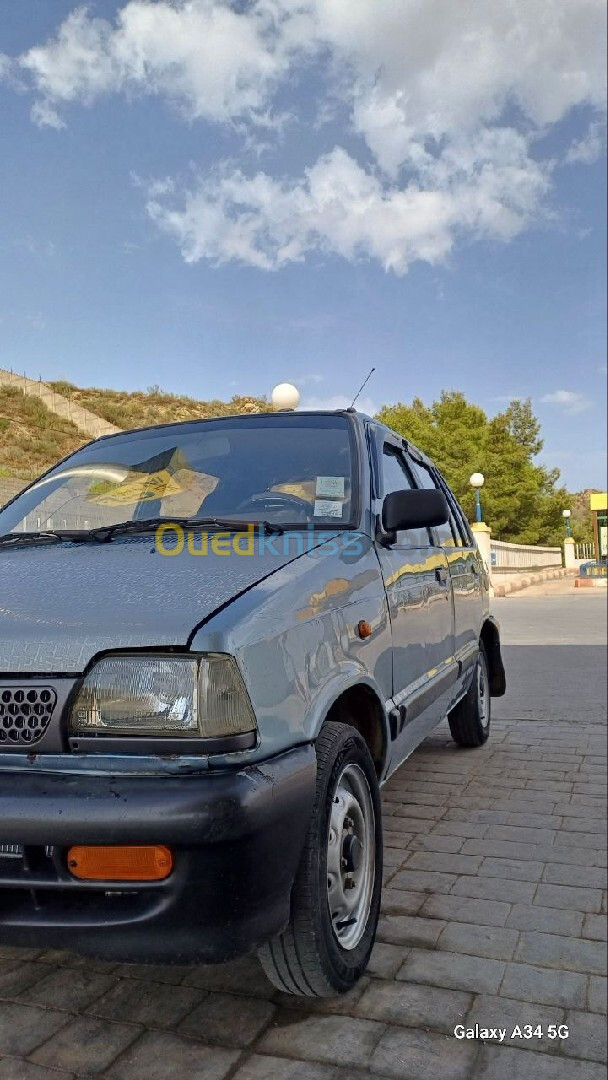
<point x="425" y="71"/>
<point x="571" y="401"/>
<point x="588" y="149"/>
<point x="309" y="379"/>
<point x="413" y="70"/>
<point x="445" y="101"/>
<point x="214" y="63"/>
<point x="44" y="114"/>
<point x="340" y="208"/>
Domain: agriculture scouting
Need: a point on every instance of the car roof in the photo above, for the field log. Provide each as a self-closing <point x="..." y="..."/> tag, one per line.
<point x="229" y="416"/>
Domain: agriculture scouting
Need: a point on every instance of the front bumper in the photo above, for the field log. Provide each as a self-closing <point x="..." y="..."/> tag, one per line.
<point x="236" y="836"/>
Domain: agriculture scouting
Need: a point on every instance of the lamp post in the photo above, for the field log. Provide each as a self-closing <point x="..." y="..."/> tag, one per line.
<point x="570" y="562"/>
<point x="480" y="530"/>
<point x="477" y="481"/>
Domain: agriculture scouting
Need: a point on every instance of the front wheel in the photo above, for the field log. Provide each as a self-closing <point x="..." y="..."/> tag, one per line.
<point x="336" y="894"/>
<point x="469" y="720"/>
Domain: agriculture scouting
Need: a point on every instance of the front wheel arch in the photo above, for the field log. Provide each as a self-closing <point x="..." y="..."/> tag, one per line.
<point x="360" y="708"/>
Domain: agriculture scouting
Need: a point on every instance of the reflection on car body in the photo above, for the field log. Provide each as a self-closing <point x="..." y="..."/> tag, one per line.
<point x="193" y="735"/>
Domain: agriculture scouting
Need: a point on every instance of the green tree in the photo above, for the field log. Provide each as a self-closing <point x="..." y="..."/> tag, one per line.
<point x="520" y="498"/>
<point x="523" y="425"/>
<point x="582" y="518"/>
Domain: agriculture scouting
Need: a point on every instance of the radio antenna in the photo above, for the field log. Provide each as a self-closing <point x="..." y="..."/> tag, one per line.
<point x="362" y="387"/>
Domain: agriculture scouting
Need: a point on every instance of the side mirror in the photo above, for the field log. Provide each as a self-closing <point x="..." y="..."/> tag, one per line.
<point x="414" y="510"/>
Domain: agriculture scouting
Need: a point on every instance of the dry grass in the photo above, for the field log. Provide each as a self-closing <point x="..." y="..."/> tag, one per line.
<point x="129" y="410"/>
<point x="32" y="438"/>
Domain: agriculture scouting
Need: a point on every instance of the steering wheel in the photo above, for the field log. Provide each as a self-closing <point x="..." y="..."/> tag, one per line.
<point x="276" y="500"/>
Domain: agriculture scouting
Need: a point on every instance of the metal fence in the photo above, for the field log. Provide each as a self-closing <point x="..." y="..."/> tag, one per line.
<point x="584" y="551"/>
<point x="89" y="423"/>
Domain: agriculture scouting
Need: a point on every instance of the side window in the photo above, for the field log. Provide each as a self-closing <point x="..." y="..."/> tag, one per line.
<point x="396" y="477"/>
<point x="457" y="513"/>
<point x="448" y="535"/>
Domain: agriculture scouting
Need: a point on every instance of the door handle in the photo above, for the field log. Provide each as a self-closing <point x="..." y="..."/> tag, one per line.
<point x="441" y="575"/>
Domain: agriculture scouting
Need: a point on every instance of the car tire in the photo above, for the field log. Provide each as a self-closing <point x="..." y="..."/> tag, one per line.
<point x="335" y="901"/>
<point x="470" y="719"/>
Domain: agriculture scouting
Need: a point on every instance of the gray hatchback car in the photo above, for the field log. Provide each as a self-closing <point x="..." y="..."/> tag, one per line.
<point x="217" y="640"/>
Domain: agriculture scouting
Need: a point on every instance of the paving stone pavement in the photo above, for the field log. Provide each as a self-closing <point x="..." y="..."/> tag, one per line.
<point x="494" y="913"/>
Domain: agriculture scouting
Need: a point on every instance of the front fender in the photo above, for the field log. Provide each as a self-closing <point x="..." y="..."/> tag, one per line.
<point x="295" y="637"/>
<point x="346" y="677"/>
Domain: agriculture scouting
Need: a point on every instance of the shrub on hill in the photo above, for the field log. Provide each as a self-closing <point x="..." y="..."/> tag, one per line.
<point x="155" y="406"/>
<point x="31" y="437"/>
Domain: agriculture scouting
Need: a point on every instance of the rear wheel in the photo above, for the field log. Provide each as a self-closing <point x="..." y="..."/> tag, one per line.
<point x="470" y="720"/>
<point x="336" y="894"/>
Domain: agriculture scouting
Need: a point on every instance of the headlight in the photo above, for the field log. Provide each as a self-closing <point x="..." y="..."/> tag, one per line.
<point x="200" y="697"/>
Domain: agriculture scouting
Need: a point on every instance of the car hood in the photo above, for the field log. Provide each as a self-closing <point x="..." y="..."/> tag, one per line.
<point x="61" y="604"/>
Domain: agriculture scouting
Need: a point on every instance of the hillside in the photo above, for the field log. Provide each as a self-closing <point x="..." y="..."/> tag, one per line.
<point x="31" y="437"/>
<point x="130" y="410"/>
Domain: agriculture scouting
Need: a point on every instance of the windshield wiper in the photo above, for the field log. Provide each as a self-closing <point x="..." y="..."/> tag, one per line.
<point x="104" y="533"/>
<point x="58" y="535"/>
<point x="124" y="528"/>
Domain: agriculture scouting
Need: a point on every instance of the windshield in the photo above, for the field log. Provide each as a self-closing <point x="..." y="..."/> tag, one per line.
<point x="286" y="469"/>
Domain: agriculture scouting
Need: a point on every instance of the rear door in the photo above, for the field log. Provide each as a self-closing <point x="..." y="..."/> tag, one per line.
<point x="417" y="582"/>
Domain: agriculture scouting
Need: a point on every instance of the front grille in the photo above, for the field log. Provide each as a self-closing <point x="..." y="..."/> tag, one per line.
<point x="25" y="714"/>
<point x="11" y="851"/>
<point x="15" y="851"/>
<point x="28" y="864"/>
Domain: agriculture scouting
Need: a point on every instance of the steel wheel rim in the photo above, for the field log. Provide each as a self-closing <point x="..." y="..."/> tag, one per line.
<point x="351" y="856"/>
<point x="482" y="693"/>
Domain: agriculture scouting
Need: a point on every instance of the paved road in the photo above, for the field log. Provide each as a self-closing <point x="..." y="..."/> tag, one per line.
<point x="494" y="913"/>
<point x="555" y="654"/>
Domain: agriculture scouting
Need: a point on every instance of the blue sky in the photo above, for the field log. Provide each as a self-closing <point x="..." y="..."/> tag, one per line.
<point x="217" y="196"/>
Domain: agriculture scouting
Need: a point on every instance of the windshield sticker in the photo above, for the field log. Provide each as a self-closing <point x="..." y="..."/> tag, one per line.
<point x="138" y="489"/>
<point x="303" y="490"/>
<point x="332" y="487"/>
<point x="328" y="508"/>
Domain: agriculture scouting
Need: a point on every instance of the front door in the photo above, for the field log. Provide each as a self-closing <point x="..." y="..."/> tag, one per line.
<point x="419" y="593"/>
<point x="466" y="570"/>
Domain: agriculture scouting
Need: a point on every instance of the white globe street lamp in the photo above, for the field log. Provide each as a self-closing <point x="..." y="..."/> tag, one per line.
<point x="567" y="514"/>
<point x="285" y="397"/>
<point x="477" y="481"/>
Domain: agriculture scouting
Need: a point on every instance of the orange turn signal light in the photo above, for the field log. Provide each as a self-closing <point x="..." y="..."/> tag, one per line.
<point x="120" y="863"/>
